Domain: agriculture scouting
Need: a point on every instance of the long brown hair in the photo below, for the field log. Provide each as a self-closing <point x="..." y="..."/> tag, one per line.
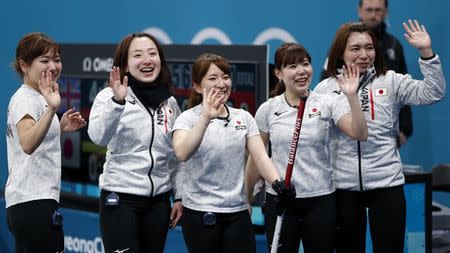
<point x="121" y="58"/>
<point x="199" y="70"/>
<point x="286" y="54"/>
<point x="336" y="57"/>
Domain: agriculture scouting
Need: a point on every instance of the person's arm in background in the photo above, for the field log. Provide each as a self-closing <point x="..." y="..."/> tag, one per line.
<point x="405" y="125"/>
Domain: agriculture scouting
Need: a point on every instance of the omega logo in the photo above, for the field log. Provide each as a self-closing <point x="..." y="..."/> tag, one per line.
<point x="97" y="64"/>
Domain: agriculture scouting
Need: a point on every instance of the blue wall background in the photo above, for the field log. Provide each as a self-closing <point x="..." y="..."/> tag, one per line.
<point x="311" y="23"/>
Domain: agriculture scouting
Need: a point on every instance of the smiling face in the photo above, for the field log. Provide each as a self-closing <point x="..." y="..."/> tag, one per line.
<point x="360" y="50"/>
<point x="296" y="77"/>
<point x="215" y="79"/>
<point x="32" y="73"/>
<point x="144" y="62"/>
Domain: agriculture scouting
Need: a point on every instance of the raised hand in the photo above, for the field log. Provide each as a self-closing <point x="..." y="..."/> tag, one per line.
<point x="119" y="88"/>
<point x="50" y="90"/>
<point x="349" y="81"/>
<point x="71" y="121"/>
<point x="213" y="103"/>
<point x="417" y="36"/>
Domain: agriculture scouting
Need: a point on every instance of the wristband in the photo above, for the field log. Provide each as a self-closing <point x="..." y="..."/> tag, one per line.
<point x="118" y="102"/>
<point x="428" y="58"/>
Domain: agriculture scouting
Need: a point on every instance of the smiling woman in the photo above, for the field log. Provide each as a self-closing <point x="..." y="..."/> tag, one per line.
<point x="133" y="118"/>
<point x="312" y="213"/>
<point x="34" y="150"/>
<point x="368" y="175"/>
<point x="213" y="139"/>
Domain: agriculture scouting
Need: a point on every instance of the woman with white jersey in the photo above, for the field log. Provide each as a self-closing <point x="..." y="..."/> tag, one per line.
<point x="311" y="217"/>
<point x="368" y="175"/>
<point x="33" y="141"/>
<point x="133" y="118"/>
<point x="213" y="138"/>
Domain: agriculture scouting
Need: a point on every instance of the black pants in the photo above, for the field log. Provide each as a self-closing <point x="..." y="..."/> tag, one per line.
<point x="387" y="219"/>
<point x="310" y="220"/>
<point x="32" y="225"/>
<point x="137" y="223"/>
<point x="231" y="233"/>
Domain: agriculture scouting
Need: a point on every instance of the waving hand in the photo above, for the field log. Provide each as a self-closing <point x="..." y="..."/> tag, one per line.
<point x="213" y="103"/>
<point x="349" y="81"/>
<point x="418" y="37"/>
<point x="119" y="88"/>
<point x="50" y="90"/>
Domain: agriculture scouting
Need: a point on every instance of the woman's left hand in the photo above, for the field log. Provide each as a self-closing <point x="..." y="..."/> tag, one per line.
<point x="418" y="37"/>
<point x="71" y="121"/>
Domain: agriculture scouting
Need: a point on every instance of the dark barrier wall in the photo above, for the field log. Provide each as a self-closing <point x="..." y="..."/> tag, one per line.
<point x="311" y="23"/>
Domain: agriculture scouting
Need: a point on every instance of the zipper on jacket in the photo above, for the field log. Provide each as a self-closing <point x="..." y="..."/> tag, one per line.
<point x="150" y="152"/>
<point x="372" y="114"/>
<point x="359" y="167"/>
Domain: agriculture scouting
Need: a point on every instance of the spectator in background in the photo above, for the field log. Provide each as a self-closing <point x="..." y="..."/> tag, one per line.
<point x="33" y="144"/>
<point x="372" y="13"/>
<point x="140" y="171"/>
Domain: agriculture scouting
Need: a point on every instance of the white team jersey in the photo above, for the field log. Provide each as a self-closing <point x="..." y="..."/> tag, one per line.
<point x="312" y="169"/>
<point x="215" y="175"/>
<point x="36" y="176"/>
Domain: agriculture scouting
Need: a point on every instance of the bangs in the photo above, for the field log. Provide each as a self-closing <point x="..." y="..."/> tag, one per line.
<point x="294" y="56"/>
<point x="41" y="46"/>
<point x="203" y="63"/>
<point x="52" y="49"/>
<point x="223" y="65"/>
<point x="219" y="61"/>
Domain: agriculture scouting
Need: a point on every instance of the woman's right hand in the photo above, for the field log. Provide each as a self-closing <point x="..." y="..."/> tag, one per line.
<point x="213" y="103"/>
<point x="119" y="88"/>
<point x="50" y="90"/>
<point x="349" y="80"/>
